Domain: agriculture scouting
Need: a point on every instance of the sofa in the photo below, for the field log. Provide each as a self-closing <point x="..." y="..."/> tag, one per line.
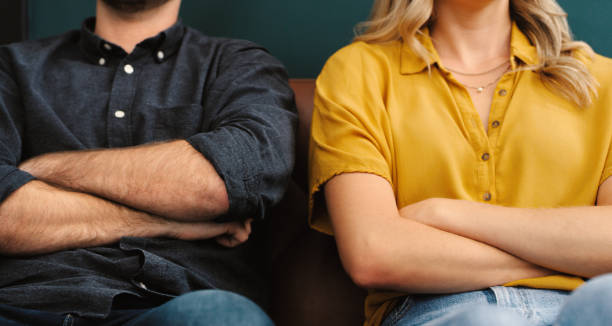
<point x="309" y="285"/>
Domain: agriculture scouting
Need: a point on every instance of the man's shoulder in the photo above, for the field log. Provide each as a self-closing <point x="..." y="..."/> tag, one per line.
<point x="221" y="45"/>
<point x="32" y="50"/>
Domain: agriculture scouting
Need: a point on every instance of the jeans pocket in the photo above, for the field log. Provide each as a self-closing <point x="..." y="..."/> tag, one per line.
<point x="398" y="311"/>
<point x="68" y="320"/>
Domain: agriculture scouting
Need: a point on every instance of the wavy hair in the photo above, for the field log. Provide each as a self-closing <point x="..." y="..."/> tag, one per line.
<point x="544" y="23"/>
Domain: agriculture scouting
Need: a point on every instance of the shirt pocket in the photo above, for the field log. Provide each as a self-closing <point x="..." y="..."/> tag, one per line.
<point x="178" y="122"/>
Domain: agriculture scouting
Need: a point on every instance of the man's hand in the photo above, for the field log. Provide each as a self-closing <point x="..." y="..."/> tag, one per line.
<point x="230" y="234"/>
<point x="238" y="233"/>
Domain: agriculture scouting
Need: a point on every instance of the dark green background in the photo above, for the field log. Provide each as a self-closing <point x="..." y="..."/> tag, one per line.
<point x="302" y="33"/>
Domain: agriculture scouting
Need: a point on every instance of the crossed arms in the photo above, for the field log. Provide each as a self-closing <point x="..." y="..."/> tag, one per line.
<point x="85" y="198"/>
<point x="444" y="246"/>
<point x="90" y="198"/>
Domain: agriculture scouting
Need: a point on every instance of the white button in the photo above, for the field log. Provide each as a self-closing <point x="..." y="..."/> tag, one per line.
<point x="160" y="55"/>
<point x="119" y="114"/>
<point x="128" y="69"/>
<point x="102" y="61"/>
<point x="108" y="46"/>
<point x="142" y="285"/>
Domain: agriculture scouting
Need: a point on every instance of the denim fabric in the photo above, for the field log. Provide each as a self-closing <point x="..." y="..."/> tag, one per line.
<point x="230" y="99"/>
<point x="206" y="308"/>
<point x="590" y="304"/>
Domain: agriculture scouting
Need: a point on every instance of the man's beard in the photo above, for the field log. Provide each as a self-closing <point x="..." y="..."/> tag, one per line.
<point x="133" y="6"/>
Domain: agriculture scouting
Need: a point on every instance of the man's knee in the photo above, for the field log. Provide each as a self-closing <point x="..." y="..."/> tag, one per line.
<point x="228" y="308"/>
<point x="482" y="315"/>
<point x="206" y="307"/>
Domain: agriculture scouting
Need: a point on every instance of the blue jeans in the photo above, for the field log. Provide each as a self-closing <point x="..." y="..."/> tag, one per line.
<point x="206" y="307"/>
<point x="591" y="304"/>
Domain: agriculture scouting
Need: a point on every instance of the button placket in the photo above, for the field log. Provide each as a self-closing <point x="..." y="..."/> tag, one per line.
<point x="487" y="197"/>
<point x="499" y="107"/>
<point x="119" y="105"/>
<point x="119" y="114"/>
<point x="128" y="69"/>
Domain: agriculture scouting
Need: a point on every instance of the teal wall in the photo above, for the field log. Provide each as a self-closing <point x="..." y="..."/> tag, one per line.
<point x="302" y="33"/>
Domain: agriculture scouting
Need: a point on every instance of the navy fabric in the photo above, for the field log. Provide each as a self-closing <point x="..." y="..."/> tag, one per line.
<point x="230" y="99"/>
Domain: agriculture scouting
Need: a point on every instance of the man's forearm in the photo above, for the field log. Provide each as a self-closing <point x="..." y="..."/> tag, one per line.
<point x="167" y="179"/>
<point x="39" y="218"/>
<point x="571" y="240"/>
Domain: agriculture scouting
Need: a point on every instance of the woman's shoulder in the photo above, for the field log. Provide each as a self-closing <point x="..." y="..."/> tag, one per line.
<point x="601" y="68"/>
<point x="599" y="64"/>
<point x="361" y="53"/>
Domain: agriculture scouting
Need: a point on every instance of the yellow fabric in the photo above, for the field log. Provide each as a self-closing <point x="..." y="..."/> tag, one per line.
<point x="557" y="282"/>
<point x="379" y="110"/>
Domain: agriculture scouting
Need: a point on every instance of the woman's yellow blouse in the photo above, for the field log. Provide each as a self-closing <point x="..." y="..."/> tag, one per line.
<point x="378" y="109"/>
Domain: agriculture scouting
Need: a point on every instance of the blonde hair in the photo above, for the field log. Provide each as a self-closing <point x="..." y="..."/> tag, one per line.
<point x="543" y="21"/>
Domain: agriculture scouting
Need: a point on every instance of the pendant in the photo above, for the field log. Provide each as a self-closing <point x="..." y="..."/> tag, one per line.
<point x="480" y="89"/>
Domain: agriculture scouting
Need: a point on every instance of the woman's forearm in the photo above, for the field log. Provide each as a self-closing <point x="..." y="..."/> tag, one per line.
<point x="574" y="240"/>
<point x="419" y="259"/>
<point x="380" y="249"/>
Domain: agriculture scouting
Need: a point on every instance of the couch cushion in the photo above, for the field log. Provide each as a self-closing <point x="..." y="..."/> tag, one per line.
<point x="309" y="285"/>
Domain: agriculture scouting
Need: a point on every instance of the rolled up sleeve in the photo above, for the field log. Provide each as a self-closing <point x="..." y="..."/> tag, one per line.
<point x="250" y="134"/>
<point x="11" y="130"/>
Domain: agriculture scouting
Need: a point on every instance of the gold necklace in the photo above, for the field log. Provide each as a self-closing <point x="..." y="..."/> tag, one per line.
<point x="478" y="73"/>
<point x="481" y="89"/>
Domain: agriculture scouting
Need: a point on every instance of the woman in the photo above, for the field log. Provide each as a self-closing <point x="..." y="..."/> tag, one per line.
<point x="460" y="154"/>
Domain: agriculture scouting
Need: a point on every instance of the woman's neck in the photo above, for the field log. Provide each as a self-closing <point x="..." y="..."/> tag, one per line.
<point x="472" y="34"/>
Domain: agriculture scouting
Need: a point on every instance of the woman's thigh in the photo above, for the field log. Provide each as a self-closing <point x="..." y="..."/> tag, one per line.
<point x="590" y="304"/>
<point x="497" y="305"/>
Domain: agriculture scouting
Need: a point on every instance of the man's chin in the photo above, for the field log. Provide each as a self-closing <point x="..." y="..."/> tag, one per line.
<point x="134" y="6"/>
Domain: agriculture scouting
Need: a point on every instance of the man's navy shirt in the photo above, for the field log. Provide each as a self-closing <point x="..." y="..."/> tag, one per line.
<point x="228" y="98"/>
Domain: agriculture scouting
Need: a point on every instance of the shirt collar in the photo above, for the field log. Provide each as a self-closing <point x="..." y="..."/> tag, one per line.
<point x="411" y="62"/>
<point x="167" y="42"/>
<point x="520" y="48"/>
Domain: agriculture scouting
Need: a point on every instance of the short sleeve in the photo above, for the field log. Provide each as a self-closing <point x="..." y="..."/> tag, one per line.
<point x="251" y="119"/>
<point x="607" y="172"/>
<point x="350" y="128"/>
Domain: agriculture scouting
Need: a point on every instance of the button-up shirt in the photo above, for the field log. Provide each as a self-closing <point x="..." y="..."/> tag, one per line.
<point x="380" y="110"/>
<point x="228" y="98"/>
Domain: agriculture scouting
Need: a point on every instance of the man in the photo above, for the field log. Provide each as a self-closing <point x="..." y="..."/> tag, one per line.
<point x="134" y="155"/>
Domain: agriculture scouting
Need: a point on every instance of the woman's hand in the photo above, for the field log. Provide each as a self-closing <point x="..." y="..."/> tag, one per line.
<point x="435" y="212"/>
